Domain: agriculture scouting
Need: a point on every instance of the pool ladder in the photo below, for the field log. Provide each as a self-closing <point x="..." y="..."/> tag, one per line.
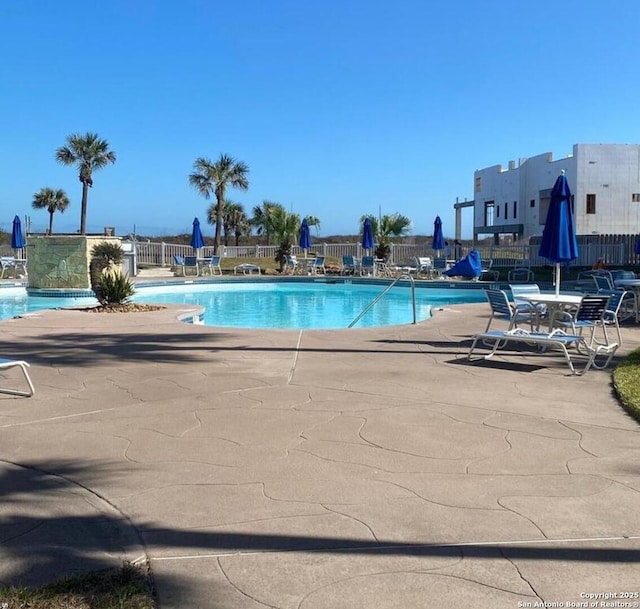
<point x="381" y="296"/>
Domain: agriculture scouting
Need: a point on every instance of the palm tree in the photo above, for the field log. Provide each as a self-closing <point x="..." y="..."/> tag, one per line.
<point x="214" y="178"/>
<point x="89" y="153"/>
<point x="313" y="221"/>
<point x="234" y="220"/>
<point x="284" y="227"/>
<point x="385" y="229"/>
<point x="51" y="200"/>
<point x="260" y="219"/>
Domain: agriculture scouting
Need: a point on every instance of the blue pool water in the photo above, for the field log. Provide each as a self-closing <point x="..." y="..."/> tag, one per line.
<point x="276" y="304"/>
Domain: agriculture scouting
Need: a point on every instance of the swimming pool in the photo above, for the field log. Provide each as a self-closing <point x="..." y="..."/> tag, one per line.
<point x="273" y="304"/>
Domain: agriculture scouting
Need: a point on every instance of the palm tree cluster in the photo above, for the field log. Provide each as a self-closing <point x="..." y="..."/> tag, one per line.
<point x="89" y="153"/>
<point x="270" y="220"/>
<point x="385" y="229"/>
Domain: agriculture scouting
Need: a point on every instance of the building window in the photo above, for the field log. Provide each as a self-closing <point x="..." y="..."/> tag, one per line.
<point x="515" y="210"/>
<point x="532" y="203"/>
<point x="488" y="213"/>
<point x="591" y="204"/>
<point x="635" y="197"/>
<point x="478" y="184"/>
<point x="497" y="211"/>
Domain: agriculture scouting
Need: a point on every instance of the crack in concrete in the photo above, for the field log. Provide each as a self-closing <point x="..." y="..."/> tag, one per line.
<point x="237" y="588"/>
<point x="522" y="577"/>
<point x="481" y="459"/>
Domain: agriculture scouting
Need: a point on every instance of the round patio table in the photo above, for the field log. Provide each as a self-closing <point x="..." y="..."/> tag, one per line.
<point x="553" y="302"/>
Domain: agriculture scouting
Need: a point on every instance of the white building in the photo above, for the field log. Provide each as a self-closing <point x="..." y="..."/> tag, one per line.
<point x="604" y="180"/>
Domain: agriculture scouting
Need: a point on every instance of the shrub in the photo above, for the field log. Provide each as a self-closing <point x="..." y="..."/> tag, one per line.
<point x="116" y="288"/>
<point x="105" y="256"/>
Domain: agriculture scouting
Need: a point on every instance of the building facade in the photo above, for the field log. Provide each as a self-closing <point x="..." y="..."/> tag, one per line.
<point x="604" y="180"/>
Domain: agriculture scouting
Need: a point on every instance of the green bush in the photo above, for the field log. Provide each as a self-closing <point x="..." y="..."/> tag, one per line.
<point x="104" y="256"/>
<point x="626" y="380"/>
<point x="116" y="288"/>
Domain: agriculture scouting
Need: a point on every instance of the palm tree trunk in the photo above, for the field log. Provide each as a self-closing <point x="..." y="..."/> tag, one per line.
<point x="50" y="222"/>
<point x="83" y="212"/>
<point x="216" y="242"/>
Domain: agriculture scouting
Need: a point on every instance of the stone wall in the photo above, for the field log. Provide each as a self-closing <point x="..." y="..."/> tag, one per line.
<point x="61" y="261"/>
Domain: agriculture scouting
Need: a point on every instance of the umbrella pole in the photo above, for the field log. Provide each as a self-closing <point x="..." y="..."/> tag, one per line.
<point x="557" y="278"/>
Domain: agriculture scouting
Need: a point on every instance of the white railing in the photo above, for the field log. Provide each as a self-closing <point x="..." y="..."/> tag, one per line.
<point x="618" y="252"/>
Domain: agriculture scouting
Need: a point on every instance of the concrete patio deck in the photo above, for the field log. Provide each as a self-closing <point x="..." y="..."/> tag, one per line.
<point x="315" y="469"/>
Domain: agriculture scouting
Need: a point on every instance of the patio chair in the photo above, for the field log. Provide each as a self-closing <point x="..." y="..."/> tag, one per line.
<point x="439" y="266"/>
<point x="349" y="265"/>
<point x="486" y="273"/>
<point x="622" y="274"/>
<point x="178" y="262"/>
<point x="591" y="315"/>
<point x="290" y="264"/>
<point x="368" y="266"/>
<point x="211" y="266"/>
<point x="8" y="264"/>
<point x="317" y="266"/>
<point x="525" y="289"/>
<point x="191" y="262"/>
<point x="521" y="273"/>
<point x="424" y="266"/>
<point x="6" y="364"/>
<point x="502" y="308"/>
<point x="383" y="269"/>
<point x="603" y="282"/>
<point x="621" y="305"/>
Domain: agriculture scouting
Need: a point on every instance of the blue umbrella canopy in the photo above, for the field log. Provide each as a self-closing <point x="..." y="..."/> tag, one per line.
<point x="559" y="243"/>
<point x="197" y="240"/>
<point x="438" y="237"/>
<point x="17" y="242"/>
<point x="637" y="250"/>
<point x="367" y="234"/>
<point x="304" y="239"/>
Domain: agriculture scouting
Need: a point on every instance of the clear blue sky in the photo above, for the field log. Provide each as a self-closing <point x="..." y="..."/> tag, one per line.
<point x="339" y="107"/>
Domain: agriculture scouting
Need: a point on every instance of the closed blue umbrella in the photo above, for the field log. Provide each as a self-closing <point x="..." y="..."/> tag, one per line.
<point x="304" y="239"/>
<point x="367" y="235"/>
<point x="197" y="240"/>
<point x="438" y="237"/>
<point x="17" y="241"/>
<point x="637" y="250"/>
<point x="559" y="243"/>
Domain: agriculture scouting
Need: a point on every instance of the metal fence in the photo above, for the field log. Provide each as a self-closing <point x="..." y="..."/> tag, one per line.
<point x="614" y="250"/>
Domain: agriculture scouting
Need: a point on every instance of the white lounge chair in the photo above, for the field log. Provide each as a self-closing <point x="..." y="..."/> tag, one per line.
<point x="246" y="268"/>
<point x="498" y="339"/>
<point x="6" y="364"/>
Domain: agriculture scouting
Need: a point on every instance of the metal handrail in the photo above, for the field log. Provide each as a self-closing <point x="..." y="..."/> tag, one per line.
<point x="382" y="294"/>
